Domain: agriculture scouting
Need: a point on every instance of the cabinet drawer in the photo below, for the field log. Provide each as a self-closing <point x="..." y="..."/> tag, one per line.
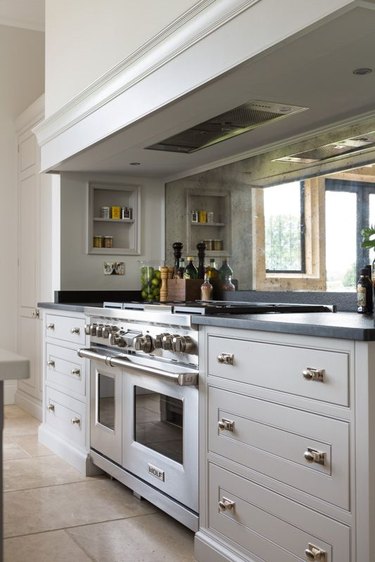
<point x="66" y="416"/>
<point x="282" y="367"/>
<point x="269" y="525"/>
<point x="304" y="450"/>
<point x="65" y="369"/>
<point x="66" y="328"/>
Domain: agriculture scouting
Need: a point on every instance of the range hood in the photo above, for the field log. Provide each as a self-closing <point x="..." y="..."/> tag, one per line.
<point x="225" y="126"/>
<point x="332" y="150"/>
<point x="165" y="111"/>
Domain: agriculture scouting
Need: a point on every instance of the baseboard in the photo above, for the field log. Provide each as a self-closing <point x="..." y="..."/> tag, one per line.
<point x="75" y="457"/>
<point x="28" y="403"/>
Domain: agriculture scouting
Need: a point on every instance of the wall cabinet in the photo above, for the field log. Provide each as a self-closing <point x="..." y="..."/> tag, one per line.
<point x="208" y="219"/>
<point x="113" y="219"/>
<point x="286" y="458"/>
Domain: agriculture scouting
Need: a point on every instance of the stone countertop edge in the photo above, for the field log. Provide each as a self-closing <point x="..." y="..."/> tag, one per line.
<point x="341" y="325"/>
<point x="13" y="366"/>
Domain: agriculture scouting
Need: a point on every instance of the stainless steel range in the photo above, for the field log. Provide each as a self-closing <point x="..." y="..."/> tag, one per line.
<point x="144" y="404"/>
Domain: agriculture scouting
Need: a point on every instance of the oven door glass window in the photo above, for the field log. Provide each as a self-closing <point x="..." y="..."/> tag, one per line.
<point x="159" y="422"/>
<point x="106" y="401"/>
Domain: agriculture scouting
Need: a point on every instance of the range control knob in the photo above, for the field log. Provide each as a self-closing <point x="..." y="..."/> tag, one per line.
<point x="93" y="329"/>
<point x="106" y="331"/>
<point x="115" y="338"/>
<point x="99" y="330"/>
<point x="144" y="343"/>
<point x="166" y="342"/>
<point x="183" y="344"/>
<point x="158" y="341"/>
<point x="87" y="329"/>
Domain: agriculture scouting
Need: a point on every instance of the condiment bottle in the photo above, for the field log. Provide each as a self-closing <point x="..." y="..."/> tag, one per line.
<point x="213" y="277"/>
<point x="181" y="269"/>
<point x="225" y="270"/>
<point x="206" y="289"/>
<point x="191" y="271"/>
<point x="364" y="293"/>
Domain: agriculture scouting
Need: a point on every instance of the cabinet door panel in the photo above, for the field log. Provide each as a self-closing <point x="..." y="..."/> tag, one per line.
<point x="280" y="441"/>
<point x="282" y="367"/>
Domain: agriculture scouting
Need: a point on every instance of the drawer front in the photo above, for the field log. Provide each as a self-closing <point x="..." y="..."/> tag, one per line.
<point x="65" y="369"/>
<point x="270" y="526"/>
<point x="66" y="416"/>
<point x="296" y="370"/>
<point x="304" y="450"/>
<point x="65" y="328"/>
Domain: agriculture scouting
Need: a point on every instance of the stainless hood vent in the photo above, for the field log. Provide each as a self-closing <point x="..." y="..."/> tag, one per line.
<point x="225" y="126"/>
<point x="332" y="150"/>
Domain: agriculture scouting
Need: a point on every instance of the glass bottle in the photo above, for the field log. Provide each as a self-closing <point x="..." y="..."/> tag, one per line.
<point x="206" y="289"/>
<point x="181" y="269"/>
<point x="213" y="277"/>
<point x="227" y="285"/>
<point x="191" y="271"/>
<point x="364" y="293"/>
<point x="225" y="270"/>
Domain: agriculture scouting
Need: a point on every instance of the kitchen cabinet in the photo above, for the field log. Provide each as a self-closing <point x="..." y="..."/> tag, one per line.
<point x="34" y="249"/>
<point x="208" y="219"/>
<point x="65" y="398"/>
<point x="119" y="226"/>
<point x="287" y="447"/>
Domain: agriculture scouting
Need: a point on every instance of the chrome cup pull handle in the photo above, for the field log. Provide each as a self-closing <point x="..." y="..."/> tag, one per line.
<point x="313" y="455"/>
<point x="313" y="552"/>
<point x="312" y="374"/>
<point x="76" y="372"/>
<point x="225" y="424"/>
<point x="226" y="358"/>
<point x="51" y="364"/>
<point x="75" y="331"/>
<point x="51" y="407"/>
<point x="51" y="326"/>
<point x="226" y="504"/>
<point x="75" y="421"/>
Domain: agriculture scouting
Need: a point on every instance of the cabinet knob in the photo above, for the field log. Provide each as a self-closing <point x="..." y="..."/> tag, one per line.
<point x="312" y="455"/>
<point x="312" y="374"/>
<point x="50" y="326"/>
<point x="225" y="424"/>
<point x="51" y="364"/>
<point x="226" y="358"/>
<point x="76" y="421"/>
<point x="75" y="331"/>
<point x="226" y="504"/>
<point x="313" y="552"/>
<point x="76" y="372"/>
<point x="51" y="407"/>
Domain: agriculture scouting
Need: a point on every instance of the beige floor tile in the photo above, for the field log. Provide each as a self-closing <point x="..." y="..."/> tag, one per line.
<point x="55" y="546"/>
<point x="36" y="472"/>
<point x="29" y="444"/>
<point x="11" y="451"/>
<point x="154" y="537"/>
<point x="23" y="425"/>
<point x="93" y="500"/>
<point x="12" y="411"/>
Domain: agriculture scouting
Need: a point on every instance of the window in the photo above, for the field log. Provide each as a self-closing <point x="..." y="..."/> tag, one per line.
<point x="284" y="223"/>
<point x="350" y="206"/>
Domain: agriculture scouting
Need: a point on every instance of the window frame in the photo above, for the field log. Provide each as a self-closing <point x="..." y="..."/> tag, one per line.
<point x="302" y="229"/>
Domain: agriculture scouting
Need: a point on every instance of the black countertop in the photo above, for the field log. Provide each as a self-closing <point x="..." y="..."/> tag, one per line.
<point x="342" y="325"/>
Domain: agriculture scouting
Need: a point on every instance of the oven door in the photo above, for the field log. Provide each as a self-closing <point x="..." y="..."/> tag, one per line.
<point x="160" y="443"/>
<point x="105" y="410"/>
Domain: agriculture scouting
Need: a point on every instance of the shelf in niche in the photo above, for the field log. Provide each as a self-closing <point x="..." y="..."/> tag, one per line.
<point x="207" y="223"/>
<point x="111" y="221"/>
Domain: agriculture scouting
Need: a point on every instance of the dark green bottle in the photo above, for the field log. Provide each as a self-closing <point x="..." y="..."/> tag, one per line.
<point x="191" y="271"/>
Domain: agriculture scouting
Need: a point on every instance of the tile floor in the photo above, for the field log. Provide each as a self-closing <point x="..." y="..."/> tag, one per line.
<point x="54" y="514"/>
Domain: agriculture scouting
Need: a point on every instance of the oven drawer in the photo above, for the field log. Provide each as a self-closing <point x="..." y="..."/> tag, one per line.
<point x="269" y="525"/>
<point x="296" y="370"/>
<point x="66" y="416"/>
<point x="66" y="328"/>
<point x="66" y="370"/>
<point x="307" y="451"/>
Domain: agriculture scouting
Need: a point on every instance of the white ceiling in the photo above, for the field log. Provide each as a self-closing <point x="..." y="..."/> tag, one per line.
<point x="27" y="14"/>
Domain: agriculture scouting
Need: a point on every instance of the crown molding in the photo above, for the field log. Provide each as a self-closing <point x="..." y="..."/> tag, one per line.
<point x="203" y="19"/>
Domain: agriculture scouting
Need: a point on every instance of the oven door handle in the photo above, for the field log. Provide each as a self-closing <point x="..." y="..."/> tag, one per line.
<point x="182" y="379"/>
